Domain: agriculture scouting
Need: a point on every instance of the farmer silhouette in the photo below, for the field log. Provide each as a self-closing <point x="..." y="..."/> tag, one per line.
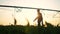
<point x="39" y="18"/>
<point x="15" y="21"/>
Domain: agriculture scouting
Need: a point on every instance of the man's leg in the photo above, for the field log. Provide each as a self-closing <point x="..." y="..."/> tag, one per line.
<point x="42" y="23"/>
<point x="38" y="23"/>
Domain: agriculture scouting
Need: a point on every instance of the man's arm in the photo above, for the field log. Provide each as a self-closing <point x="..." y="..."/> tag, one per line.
<point x="35" y="19"/>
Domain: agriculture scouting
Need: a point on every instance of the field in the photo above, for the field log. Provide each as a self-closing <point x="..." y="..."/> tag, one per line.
<point x="18" y="29"/>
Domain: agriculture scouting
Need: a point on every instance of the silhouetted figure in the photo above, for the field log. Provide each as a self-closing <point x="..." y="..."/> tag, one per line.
<point x="15" y="21"/>
<point x="58" y="24"/>
<point x="48" y="24"/>
<point x="39" y="17"/>
<point x="27" y="22"/>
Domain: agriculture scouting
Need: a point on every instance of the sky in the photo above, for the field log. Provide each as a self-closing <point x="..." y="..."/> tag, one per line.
<point x="49" y="16"/>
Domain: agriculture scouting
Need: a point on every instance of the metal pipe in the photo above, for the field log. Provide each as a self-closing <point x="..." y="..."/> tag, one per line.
<point x="28" y="8"/>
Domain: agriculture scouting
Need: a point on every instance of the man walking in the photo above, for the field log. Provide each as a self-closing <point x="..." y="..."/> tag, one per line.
<point x="39" y="18"/>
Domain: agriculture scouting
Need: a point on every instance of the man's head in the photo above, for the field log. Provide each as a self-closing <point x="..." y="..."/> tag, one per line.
<point x="38" y="10"/>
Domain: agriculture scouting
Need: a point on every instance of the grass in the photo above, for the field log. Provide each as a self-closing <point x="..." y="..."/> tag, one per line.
<point x="18" y="29"/>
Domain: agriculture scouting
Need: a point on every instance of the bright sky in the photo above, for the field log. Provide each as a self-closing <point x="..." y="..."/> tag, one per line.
<point x="30" y="14"/>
